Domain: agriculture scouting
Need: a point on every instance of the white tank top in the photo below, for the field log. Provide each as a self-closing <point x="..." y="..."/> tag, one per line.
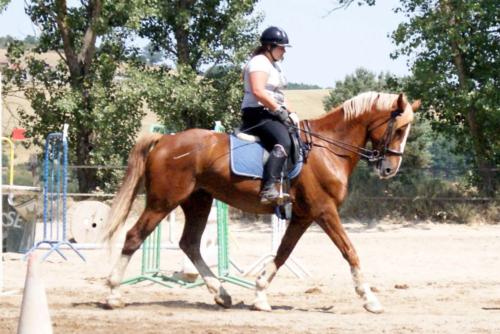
<point x="276" y="81"/>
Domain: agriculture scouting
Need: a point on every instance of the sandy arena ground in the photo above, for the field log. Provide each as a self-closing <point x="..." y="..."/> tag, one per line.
<point x="430" y="279"/>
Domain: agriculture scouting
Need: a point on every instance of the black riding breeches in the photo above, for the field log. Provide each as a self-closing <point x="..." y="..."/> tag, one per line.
<point x="260" y="122"/>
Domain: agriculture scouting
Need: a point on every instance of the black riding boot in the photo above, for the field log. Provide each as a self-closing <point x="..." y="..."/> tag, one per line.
<point x="272" y="175"/>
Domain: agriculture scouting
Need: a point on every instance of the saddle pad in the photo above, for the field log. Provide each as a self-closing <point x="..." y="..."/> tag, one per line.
<point x="247" y="159"/>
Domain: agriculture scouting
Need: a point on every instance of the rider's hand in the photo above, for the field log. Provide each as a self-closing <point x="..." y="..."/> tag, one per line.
<point x="282" y="113"/>
<point x="295" y="118"/>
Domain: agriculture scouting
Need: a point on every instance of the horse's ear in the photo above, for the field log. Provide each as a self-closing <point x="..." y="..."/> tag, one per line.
<point x="401" y="101"/>
<point x="415" y="105"/>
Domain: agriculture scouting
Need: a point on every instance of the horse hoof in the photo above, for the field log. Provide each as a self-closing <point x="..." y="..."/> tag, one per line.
<point x="374" y="307"/>
<point x="261" y="306"/>
<point x="224" y="300"/>
<point x="114" y="303"/>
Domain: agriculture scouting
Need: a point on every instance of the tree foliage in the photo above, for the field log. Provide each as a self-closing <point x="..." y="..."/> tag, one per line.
<point x="183" y="99"/>
<point x="362" y="80"/>
<point x="417" y="153"/>
<point x="3" y="5"/>
<point x="151" y="56"/>
<point x="346" y="3"/>
<point x="195" y="33"/>
<point x="100" y="86"/>
<point x="91" y="88"/>
<point x="456" y="72"/>
<point x="208" y="41"/>
<point x="29" y="41"/>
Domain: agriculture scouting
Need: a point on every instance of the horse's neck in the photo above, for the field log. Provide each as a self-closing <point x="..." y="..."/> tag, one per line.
<point x="350" y="132"/>
<point x="333" y="125"/>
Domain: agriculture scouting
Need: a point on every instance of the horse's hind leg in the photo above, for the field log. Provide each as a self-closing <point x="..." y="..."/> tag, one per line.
<point x="196" y="210"/>
<point x="146" y="223"/>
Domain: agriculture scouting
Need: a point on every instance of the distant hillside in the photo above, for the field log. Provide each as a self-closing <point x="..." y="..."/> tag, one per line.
<point x="295" y="86"/>
<point x="29" y="41"/>
<point x="307" y="103"/>
<point x="50" y="57"/>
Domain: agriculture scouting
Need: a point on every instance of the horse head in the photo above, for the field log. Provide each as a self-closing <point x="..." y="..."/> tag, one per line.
<point x="388" y="131"/>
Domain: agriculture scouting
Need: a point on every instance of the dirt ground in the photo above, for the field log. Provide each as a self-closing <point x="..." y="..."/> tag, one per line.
<point x="430" y="279"/>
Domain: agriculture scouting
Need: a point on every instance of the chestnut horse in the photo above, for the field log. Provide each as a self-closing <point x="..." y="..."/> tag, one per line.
<point x="192" y="168"/>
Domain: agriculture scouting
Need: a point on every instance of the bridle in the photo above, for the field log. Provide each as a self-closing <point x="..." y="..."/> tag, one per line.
<point x="389" y="133"/>
<point x="372" y="156"/>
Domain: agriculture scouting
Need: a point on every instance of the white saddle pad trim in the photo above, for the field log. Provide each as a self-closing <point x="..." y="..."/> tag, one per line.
<point x="247" y="137"/>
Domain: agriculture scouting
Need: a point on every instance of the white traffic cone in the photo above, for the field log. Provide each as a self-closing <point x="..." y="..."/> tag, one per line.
<point x="34" y="316"/>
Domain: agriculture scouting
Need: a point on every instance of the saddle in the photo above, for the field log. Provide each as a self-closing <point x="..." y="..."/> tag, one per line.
<point x="248" y="157"/>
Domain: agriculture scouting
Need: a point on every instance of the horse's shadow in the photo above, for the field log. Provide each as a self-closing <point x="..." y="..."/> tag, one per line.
<point x="200" y="305"/>
<point x="168" y="304"/>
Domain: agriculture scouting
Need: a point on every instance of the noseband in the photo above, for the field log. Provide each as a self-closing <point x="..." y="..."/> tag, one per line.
<point x="372" y="156"/>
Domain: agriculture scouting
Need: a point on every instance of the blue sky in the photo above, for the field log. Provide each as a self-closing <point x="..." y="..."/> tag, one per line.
<point x="325" y="48"/>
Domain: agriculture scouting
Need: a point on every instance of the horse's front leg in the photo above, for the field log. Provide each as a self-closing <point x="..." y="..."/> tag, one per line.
<point x="330" y="223"/>
<point x="294" y="231"/>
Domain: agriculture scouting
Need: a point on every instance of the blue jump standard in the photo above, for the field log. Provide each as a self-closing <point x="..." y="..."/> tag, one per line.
<point x="54" y="196"/>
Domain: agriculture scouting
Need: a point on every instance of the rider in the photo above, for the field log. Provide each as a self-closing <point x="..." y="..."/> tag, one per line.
<point x="264" y="110"/>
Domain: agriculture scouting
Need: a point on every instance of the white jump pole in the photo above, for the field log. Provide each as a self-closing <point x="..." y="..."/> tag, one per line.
<point x="1" y="186"/>
<point x="278" y="230"/>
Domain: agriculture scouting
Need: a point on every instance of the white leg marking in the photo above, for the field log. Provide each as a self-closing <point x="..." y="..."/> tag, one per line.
<point x="263" y="280"/>
<point x="363" y="290"/>
<point x="114" y="299"/>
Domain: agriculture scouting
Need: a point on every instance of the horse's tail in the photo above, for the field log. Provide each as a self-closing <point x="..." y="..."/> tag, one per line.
<point x="130" y="186"/>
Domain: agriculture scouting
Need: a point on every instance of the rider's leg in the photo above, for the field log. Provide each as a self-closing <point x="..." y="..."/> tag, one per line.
<point x="276" y="139"/>
<point x="272" y="173"/>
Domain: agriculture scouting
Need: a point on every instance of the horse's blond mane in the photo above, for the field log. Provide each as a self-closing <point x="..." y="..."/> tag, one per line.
<point x="363" y="103"/>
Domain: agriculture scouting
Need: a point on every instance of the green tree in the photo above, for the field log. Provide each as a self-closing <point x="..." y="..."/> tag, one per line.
<point x="94" y="88"/>
<point x="361" y="81"/>
<point x="5" y="40"/>
<point x="346" y="3"/>
<point x="456" y="72"/>
<point x="3" y="5"/>
<point x="29" y="41"/>
<point x="151" y="56"/>
<point x="196" y="35"/>
<point x="417" y="153"/>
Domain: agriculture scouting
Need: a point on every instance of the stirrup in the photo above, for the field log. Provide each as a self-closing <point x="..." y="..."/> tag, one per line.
<point x="273" y="196"/>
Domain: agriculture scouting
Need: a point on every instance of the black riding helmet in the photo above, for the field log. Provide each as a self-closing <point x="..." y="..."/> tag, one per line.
<point x="274" y="36"/>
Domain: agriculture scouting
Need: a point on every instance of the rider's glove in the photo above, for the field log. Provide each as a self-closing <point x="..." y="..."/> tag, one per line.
<point x="282" y="113"/>
<point x="294" y="118"/>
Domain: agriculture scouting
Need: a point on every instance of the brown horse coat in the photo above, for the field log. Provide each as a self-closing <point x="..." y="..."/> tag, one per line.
<point x="192" y="167"/>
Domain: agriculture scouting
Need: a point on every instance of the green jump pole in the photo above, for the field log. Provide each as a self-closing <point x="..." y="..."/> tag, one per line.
<point x="151" y="250"/>
<point x="223" y="240"/>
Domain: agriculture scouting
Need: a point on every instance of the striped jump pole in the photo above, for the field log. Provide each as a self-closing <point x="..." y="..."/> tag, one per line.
<point x="278" y="230"/>
<point x="151" y="259"/>
<point x="55" y="188"/>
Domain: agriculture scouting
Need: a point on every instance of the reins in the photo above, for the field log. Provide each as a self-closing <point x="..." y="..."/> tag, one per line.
<point x="364" y="153"/>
